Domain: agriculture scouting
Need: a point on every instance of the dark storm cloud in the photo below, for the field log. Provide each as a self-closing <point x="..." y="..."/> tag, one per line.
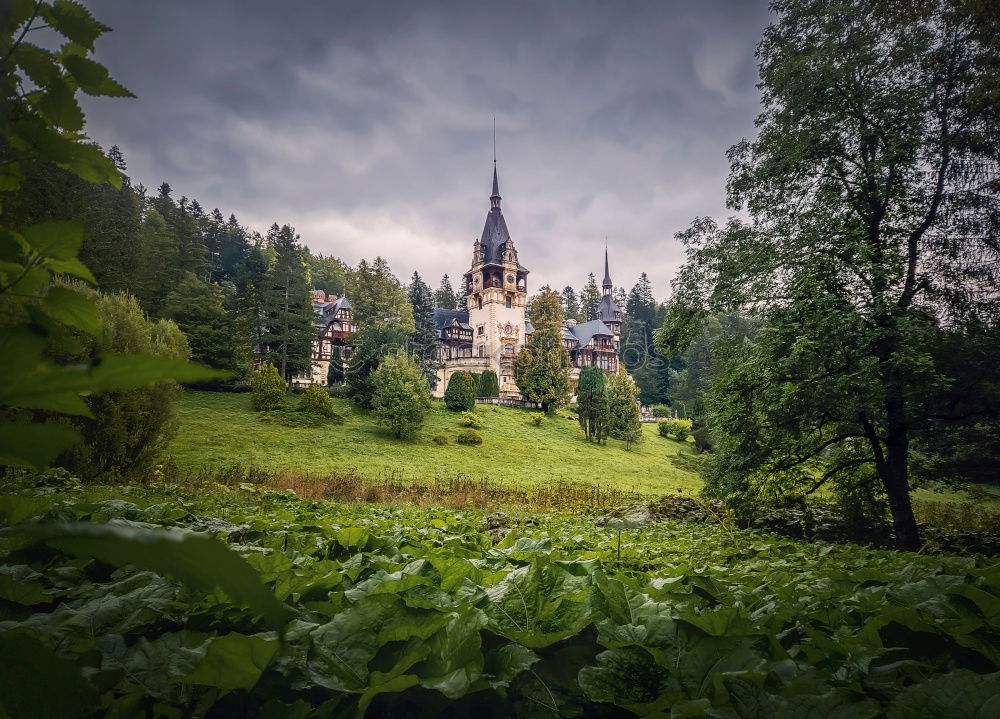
<point x="367" y="125"/>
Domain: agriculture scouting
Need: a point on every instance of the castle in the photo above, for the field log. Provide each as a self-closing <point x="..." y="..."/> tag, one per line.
<point x="489" y="332"/>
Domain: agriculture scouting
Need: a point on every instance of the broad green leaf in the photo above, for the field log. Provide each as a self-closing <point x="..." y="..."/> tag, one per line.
<point x="629" y="677"/>
<point x="36" y="682"/>
<point x="454" y="660"/>
<point x="73" y="268"/>
<point x="505" y="662"/>
<point x="40" y="65"/>
<point x="199" y="562"/>
<point x="155" y="664"/>
<point x="21" y="584"/>
<point x="73" y="309"/>
<point x="34" y="445"/>
<point x="93" y="77"/>
<point x="11" y="178"/>
<point x="55" y="239"/>
<point x="59" y="106"/>
<point x="961" y="694"/>
<point x="233" y="661"/>
<point x="18" y="507"/>
<point x="74" y="22"/>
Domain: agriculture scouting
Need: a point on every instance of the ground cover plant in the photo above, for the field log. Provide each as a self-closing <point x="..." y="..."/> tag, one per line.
<point x="371" y="610"/>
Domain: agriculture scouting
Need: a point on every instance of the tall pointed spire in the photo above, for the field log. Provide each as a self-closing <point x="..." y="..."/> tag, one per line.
<point x="495" y="197"/>
<point x="607" y="285"/>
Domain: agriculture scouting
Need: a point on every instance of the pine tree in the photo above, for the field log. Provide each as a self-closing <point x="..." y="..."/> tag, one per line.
<point x="197" y="309"/>
<point x="401" y="398"/>
<point x="571" y="305"/>
<point x="424" y="337"/>
<point x="590" y="299"/>
<point x="254" y="300"/>
<point x="290" y="319"/>
<point x="445" y="297"/>
<point x="541" y="368"/>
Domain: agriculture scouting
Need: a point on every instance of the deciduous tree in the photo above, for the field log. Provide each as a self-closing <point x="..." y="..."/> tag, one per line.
<point x="541" y="368"/>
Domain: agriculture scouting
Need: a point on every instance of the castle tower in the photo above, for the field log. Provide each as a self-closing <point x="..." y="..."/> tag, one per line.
<point x="610" y="313"/>
<point x="497" y="291"/>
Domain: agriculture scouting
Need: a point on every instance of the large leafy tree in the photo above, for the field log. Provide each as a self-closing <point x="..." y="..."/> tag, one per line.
<point x="424" y="337"/>
<point x="872" y="188"/>
<point x="541" y="368"/>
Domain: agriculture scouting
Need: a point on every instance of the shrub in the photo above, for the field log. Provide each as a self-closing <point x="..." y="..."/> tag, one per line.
<point x="268" y="389"/>
<point x="489" y="385"/>
<point x="316" y="400"/>
<point x="660" y="410"/>
<point x="471" y="419"/>
<point x="441" y="439"/>
<point x="402" y="398"/>
<point x="680" y="429"/>
<point x="536" y="418"/>
<point x="461" y="392"/>
<point x="702" y="439"/>
<point x="127" y="429"/>
<point x="288" y="417"/>
<point x="469" y="436"/>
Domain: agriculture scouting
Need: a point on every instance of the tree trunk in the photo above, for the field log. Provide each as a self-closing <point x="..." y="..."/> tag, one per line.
<point x="895" y="478"/>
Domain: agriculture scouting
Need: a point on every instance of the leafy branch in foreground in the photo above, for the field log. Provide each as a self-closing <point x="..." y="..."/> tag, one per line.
<point x="41" y="120"/>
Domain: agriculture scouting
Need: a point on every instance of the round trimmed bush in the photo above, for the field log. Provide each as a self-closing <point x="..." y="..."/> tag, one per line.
<point x="660" y="410"/>
<point x="471" y="419"/>
<point x="315" y="400"/>
<point x="441" y="439"/>
<point x="469" y="436"/>
<point x="268" y="389"/>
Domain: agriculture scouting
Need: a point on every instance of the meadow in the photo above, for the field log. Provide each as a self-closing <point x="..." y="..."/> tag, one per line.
<point x="220" y="430"/>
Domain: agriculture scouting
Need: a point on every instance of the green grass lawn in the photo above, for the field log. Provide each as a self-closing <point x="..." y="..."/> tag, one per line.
<point x="219" y="429"/>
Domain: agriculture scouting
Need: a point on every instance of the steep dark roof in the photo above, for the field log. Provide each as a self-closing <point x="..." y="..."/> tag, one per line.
<point x="607" y="310"/>
<point x="332" y="308"/>
<point x="444" y="318"/>
<point x="495" y="234"/>
<point x="607" y="274"/>
<point x="587" y="330"/>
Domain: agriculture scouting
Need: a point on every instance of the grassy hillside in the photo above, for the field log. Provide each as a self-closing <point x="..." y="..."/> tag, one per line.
<point x="218" y="429"/>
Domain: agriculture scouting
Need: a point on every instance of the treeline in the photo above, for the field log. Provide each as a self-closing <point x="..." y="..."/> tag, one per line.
<point x="239" y="296"/>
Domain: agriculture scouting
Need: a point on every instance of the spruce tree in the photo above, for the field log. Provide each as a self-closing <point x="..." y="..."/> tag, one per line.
<point x="590" y="299"/>
<point x="592" y="402"/>
<point x="460" y="395"/>
<point x="571" y="305"/>
<point x="489" y="384"/>
<point x="290" y="330"/>
<point x="624" y="409"/>
<point x="377" y="297"/>
<point x="541" y="368"/>
<point x="444" y="296"/>
<point x="424" y="336"/>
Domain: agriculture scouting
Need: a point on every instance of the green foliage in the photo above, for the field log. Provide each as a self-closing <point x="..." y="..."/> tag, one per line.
<point x="401" y="397"/>
<point x="489" y="384"/>
<point x="679" y="429"/>
<point x="593" y="405"/>
<point x="387" y="608"/>
<point x="268" y="389"/>
<point x="660" y="410"/>
<point x="378" y="298"/>
<point x="315" y="400"/>
<point x="441" y="439"/>
<point x="445" y="297"/>
<point x="45" y="124"/>
<point x="460" y="395"/>
<point x="372" y="343"/>
<point x="469" y="436"/>
<point x="198" y="310"/>
<point x="471" y="419"/>
<point x="289" y="334"/>
<point x="126" y="430"/>
<point x="424" y="338"/>
<point x="535" y="418"/>
<point x="541" y="368"/>
<point x="335" y="372"/>
<point x="623" y="409"/>
<point x="590" y="299"/>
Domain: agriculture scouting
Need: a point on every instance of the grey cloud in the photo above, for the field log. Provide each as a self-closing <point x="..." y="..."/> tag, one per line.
<point x="367" y="125"/>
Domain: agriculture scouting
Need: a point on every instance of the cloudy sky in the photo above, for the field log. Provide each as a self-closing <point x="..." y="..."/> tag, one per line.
<point x="368" y="125"/>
